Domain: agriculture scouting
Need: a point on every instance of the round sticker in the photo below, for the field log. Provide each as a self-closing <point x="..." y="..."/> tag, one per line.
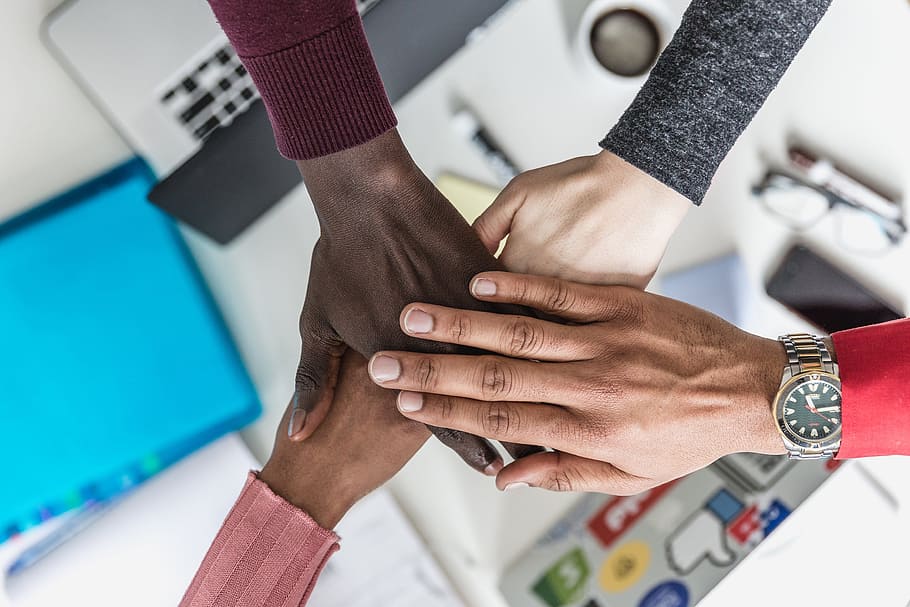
<point x="625" y="566"/>
<point x="668" y="594"/>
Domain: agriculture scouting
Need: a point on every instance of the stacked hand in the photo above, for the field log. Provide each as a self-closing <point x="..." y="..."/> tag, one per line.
<point x="595" y="219"/>
<point x="640" y="390"/>
<point x="388" y="237"/>
<point x="358" y="441"/>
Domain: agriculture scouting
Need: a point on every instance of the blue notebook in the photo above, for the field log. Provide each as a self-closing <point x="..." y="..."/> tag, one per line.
<point x="114" y="359"/>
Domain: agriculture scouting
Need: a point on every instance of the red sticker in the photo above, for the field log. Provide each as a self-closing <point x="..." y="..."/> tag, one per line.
<point x="620" y="513"/>
<point x="746" y="524"/>
<point x="833" y="464"/>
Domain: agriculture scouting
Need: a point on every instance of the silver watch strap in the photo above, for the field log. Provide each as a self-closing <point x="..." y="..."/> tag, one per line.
<point x="807" y="353"/>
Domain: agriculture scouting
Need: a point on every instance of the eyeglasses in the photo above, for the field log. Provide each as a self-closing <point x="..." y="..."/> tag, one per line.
<point x="861" y="228"/>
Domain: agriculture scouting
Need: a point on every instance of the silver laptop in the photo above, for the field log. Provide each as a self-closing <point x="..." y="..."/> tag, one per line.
<point x="167" y="78"/>
<point x="163" y="71"/>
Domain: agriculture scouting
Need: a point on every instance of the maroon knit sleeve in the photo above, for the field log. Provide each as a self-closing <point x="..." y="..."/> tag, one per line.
<point x="313" y="67"/>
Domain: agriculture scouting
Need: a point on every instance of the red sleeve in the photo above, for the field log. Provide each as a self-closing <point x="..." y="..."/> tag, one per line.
<point x="875" y="369"/>
<point x="267" y="554"/>
<point x="313" y="67"/>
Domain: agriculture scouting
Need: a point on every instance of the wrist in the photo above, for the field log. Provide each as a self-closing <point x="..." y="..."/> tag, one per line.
<point x="665" y="205"/>
<point x="652" y="211"/>
<point x="319" y="495"/>
<point x="766" y="361"/>
<point x="360" y="177"/>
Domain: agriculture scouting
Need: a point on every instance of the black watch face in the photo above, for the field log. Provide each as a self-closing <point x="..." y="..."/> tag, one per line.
<point x="810" y="409"/>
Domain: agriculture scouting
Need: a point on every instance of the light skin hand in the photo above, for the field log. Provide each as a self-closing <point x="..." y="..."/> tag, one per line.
<point x="359" y="441"/>
<point x="640" y="390"/>
<point x="593" y="219"/>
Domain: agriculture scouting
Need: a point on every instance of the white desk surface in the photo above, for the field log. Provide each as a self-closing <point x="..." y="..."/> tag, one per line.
<point x="844" y="94"/>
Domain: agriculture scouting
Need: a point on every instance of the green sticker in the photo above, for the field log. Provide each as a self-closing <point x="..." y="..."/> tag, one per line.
<point x="151" y="464"/>
<point x="564" y="582"/>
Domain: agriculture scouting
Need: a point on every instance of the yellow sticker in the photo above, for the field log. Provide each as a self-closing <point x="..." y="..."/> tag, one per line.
<point x="625" y="566"/>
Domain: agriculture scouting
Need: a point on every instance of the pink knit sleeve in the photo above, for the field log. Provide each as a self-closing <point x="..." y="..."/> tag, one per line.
<point x="267" y="554"/>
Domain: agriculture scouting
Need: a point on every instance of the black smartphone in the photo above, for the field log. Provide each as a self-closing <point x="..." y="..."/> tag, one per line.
<point x="824" y="295"/>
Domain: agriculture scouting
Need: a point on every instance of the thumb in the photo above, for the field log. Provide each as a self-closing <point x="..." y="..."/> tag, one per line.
<point x="558" y="471"/>
<point x="495" y="222"/>
<point x="317" y="373"/>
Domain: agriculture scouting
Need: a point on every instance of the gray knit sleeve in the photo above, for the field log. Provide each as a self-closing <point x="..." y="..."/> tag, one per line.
<point x="724" y="60"/>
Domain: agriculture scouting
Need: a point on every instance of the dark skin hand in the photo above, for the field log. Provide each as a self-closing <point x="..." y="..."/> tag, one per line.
<point x="388" y="237"/>
<point x="360" y="443"/>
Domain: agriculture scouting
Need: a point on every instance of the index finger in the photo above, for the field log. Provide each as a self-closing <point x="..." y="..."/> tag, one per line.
<point x="569" y="300"/>
<point x="512" y="335"/>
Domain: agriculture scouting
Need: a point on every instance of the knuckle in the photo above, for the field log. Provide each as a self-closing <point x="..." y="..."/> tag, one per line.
<point x="499" y="419"/>
<point x="521" y="338"/>
<point x="561" y="481"/>
<point x="305" y="379"/>
<point x="426" y="373"/>
<point x="496" y="379"/>
<point x="561" y="477"/>
<point x="459" y="328"/>
<point x="520" y="288"/>
<point x="446" y="408"/>
<point x="558" y="296"/>
<point x="627" y="308"/>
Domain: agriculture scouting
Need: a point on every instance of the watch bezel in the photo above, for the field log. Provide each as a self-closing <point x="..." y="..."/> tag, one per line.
<point x="790" y="385"/>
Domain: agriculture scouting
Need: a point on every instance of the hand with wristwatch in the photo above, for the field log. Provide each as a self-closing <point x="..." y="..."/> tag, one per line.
<point x="634" y="391"/>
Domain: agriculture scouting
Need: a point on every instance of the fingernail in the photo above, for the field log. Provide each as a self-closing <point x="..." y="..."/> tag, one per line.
<point x="418" y="321"/>
<point x="409" y="402"/>
<point x="484" y="287"/>
<point x="494" y="468"/>
<point x="297" y="422"/>
<point x="385" y="368"/>
<point x="513" y="486"/>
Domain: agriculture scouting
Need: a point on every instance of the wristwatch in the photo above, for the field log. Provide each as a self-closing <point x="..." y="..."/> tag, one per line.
<point x="808" y="405"/>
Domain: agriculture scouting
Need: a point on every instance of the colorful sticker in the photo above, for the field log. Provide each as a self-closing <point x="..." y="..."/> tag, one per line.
<point x="747" y="528"/>
<point x="564" y="582"/>
<point x="725" y="506"/>
<point x="611" y="521"/>
<point x="667" y="594"/>
<point x="625" y="566"/>
<point x="700" y="537"/>
<point x="774" y="516"/>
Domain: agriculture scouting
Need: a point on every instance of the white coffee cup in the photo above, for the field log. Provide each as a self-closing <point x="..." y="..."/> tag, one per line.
<point x="655" y="12"/>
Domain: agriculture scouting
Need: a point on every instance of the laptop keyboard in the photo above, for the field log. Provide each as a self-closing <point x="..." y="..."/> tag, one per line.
<point x="213" y="90"/>
<point x="214" y="87"/>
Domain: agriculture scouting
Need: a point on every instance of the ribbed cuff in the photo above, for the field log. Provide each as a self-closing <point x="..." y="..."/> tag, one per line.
<point x="267" y="553"/>
<point x="874" y="367"/>
<point x="323" y="95"/>
<point x="723" y="62"/>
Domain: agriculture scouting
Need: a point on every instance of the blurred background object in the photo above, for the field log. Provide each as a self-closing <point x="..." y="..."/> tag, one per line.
<point x="868" y="222"/>
<point x="115" y="360"/>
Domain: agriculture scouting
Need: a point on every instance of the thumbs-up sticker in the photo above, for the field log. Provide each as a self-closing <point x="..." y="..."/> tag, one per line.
<point x="701" y="537"/>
